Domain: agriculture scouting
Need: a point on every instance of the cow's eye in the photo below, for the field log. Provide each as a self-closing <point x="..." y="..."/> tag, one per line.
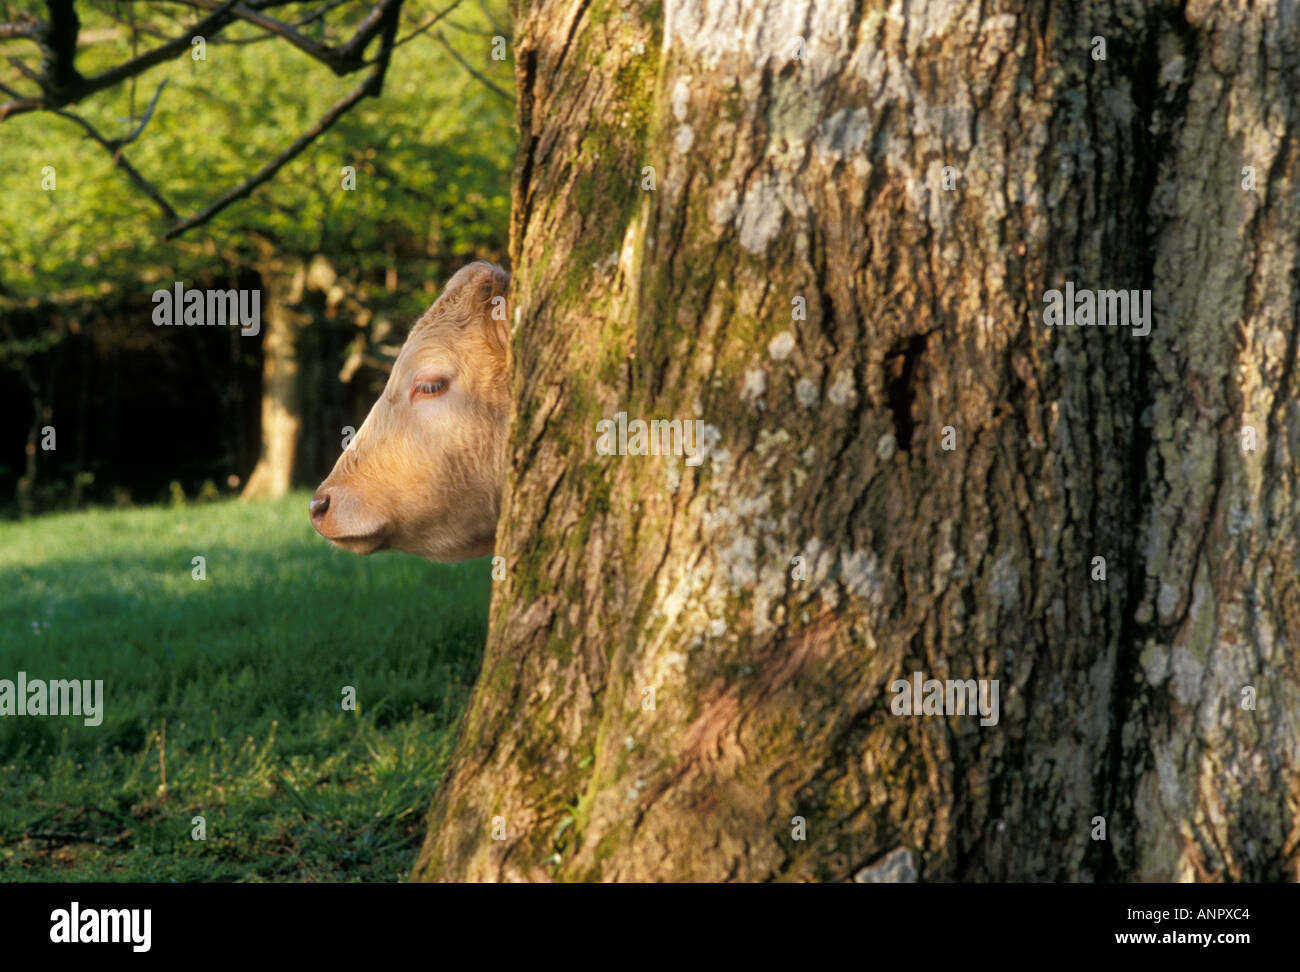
<point x="429" y="388"/>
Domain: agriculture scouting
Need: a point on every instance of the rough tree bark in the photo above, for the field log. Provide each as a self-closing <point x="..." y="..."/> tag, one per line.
<point x="822" y="178"/>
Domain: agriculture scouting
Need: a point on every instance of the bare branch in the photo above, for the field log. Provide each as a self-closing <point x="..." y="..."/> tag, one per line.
<point x="490" y="19"/>
<point x="371" y="86"/>
<point x="145" y="29"/>
<point x="23" y="69"/>
<point x="26" y="28"/>
<point x="321" y="52"/>
<point x="148" y="113"/>
<point x="342" y="60"/>
<point x="114" y="148"/>
<point x="321" y="11"/>
<point x="19" y="105"/>
<point x="246" y="187"/>
<point x="487" y="82"/>
<point x="58" y="41"/>
<point x="218" y="19"/>
<point x="427" y="25"/>
<point x="60" y="82"/>
<point x="355" y="48"/>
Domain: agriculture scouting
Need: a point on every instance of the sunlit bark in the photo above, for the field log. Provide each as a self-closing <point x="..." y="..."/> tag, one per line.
<point x="840" y="270"/>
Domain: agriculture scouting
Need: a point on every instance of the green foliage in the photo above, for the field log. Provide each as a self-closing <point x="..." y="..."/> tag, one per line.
<point x="246" y="668"/>
<point x="432" y="157"/>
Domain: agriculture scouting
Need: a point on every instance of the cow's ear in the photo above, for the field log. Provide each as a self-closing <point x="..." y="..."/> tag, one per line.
<point x="478" y="295"/>
<point x="497" y="308"/>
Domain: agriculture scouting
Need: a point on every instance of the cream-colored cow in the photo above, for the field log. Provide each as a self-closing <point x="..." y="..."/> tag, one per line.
<point x="424" y="472"/>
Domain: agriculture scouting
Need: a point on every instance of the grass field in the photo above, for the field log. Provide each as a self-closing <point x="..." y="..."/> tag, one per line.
<point x="232" y="685"/>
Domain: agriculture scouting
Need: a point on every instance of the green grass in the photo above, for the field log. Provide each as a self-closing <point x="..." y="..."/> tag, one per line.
<point x="246" y="669"/>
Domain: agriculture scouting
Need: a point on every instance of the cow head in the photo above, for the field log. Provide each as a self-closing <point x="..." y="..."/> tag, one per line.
<point x="424" y="472"/>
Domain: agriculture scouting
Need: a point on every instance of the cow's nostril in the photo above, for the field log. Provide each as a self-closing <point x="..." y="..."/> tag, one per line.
<point x="318" y="505"/>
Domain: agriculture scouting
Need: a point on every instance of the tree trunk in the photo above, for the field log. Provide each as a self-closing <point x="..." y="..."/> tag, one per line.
<point x="814" y="187"/>
<point x="26" y="486"/>
<point x="281" y="391"/>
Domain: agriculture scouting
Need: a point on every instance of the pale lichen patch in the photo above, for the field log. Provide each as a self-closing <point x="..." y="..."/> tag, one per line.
<point x="842" y="393"/>
<point x="760" y="217"/>
<point x="896" y="867"/>
<point x="861" y="576"/>
<point x="768" y="440"/>
<point x="805" y="392"/>
<point x="1005" y="582"/>
<point x="843" y="134"/>
<point x="681" y="97"/>
<point x="781" y="346"/>
<point x="755" y="387"/>
<point x="1167" y="600"/>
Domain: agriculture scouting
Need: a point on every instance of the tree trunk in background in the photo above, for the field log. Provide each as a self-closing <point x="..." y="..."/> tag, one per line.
<point x="819" y="182"/>
<point x="25" y="490"/>
<point x="281" y="391"/>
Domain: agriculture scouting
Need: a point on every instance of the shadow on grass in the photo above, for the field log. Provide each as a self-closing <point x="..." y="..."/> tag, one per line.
<point x="247" y="669"/>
